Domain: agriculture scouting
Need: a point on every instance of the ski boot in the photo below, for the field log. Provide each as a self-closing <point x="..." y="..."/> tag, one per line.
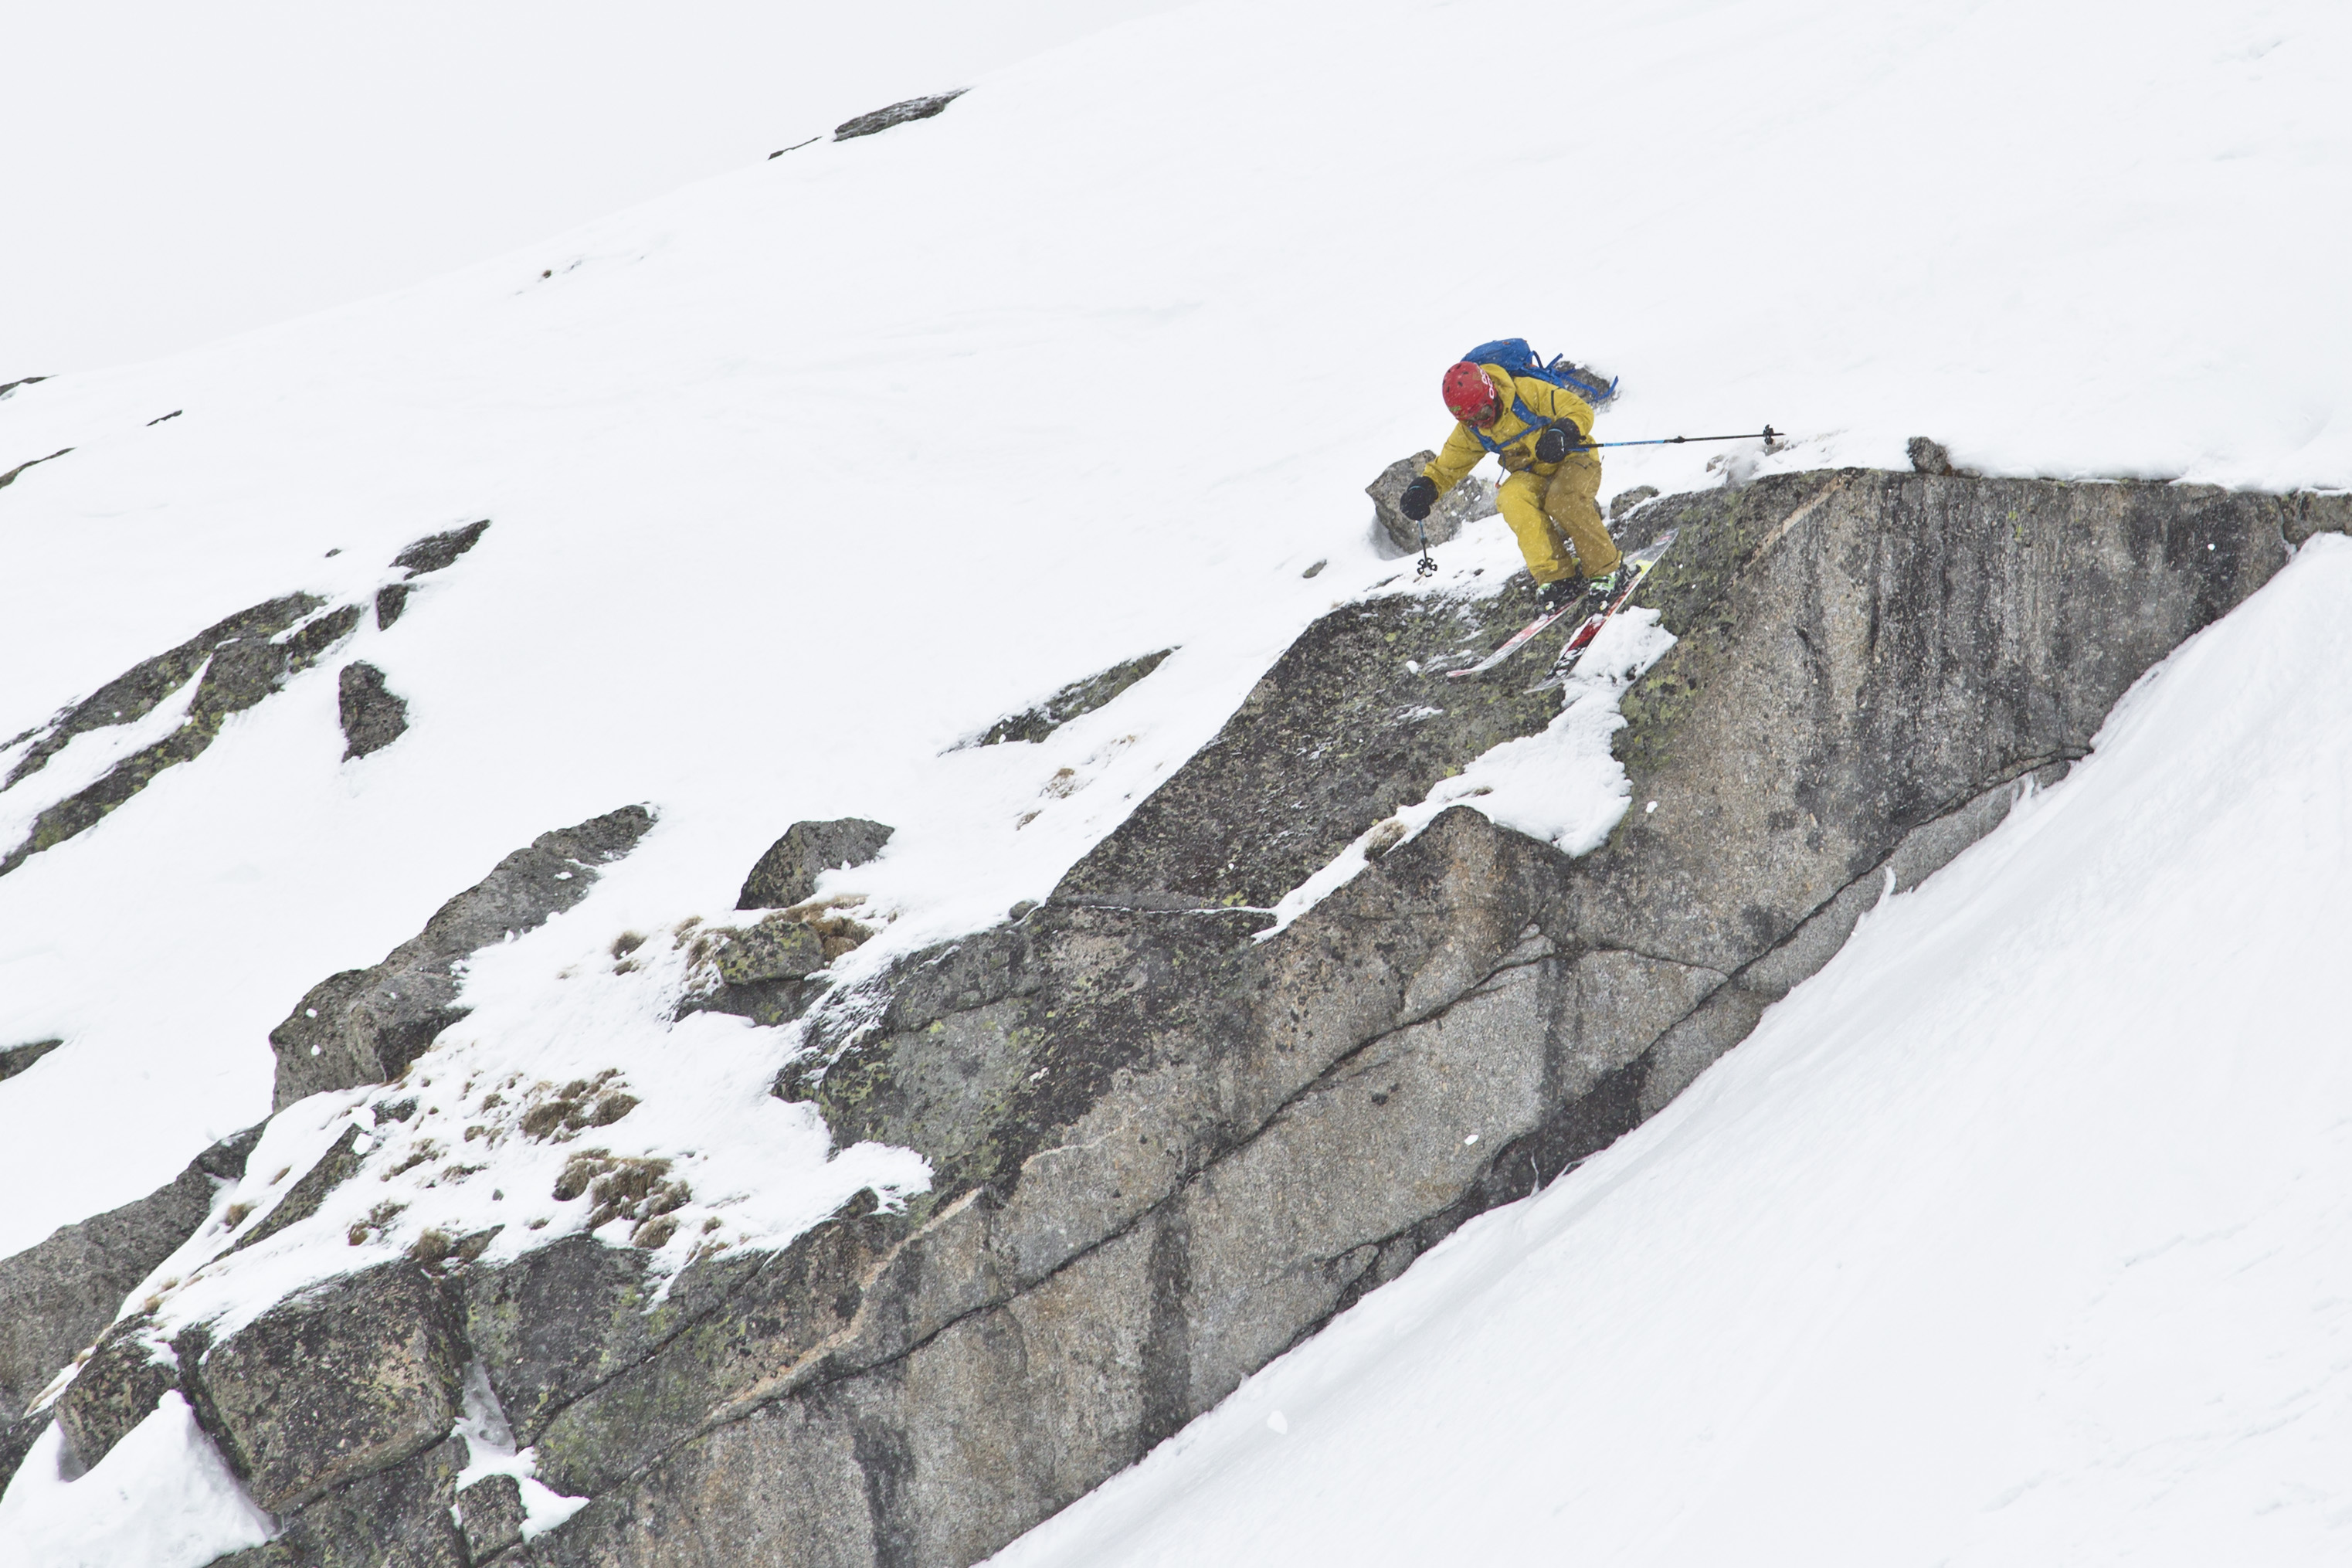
<point x="1610" y="583"/>
<point x="1560" y="594"/>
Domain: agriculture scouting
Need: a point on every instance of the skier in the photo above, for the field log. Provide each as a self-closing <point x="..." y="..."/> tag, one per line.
<point x="1535" y="429"/>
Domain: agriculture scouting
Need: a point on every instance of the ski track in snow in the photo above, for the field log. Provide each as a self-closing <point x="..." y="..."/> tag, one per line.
<point x="805" y="473"/>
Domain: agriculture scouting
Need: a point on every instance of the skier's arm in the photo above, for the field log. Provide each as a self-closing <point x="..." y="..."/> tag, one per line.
<point x="1558" y="405"/>
<point x="1454" y="460"/>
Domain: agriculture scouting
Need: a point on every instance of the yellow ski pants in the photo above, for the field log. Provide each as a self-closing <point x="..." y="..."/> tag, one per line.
<point x="1557" y="519"/>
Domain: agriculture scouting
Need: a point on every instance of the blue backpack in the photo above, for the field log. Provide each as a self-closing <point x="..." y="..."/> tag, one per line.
<point x="1518" y="359"/>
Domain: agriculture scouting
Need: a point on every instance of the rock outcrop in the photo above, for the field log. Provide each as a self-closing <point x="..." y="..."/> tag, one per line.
<point x="786" y="875"/>
<point x="346" y="1379"/>
<point x="1165" y="1149"/>
<point x="267" y="646"/>
<point x="899" y="113"/>
<point x="235" y="664"/>
<point x="59" y="1297"/>
<point x="135" y="693"/>
<point x="9" y="477"/>
<point x="433" y="552"/>
<point x="17" y="1058"/>
<point x="1073" y="701"/>
<point x="372" y="717"/>
<point x="365" y="1026"/>
<point x="1168" y="1141"/>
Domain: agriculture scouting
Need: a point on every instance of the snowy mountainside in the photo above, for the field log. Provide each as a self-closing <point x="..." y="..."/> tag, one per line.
<point x="804" y="475"/>
<point x="770" y="459"/>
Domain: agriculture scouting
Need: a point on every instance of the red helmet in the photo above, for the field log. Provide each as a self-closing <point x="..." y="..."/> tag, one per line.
<point x="1469" y="396"/>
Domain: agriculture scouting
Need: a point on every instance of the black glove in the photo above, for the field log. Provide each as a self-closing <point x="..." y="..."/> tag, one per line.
<point x="1417" y="498"/>
<point x="1554" y="443"/>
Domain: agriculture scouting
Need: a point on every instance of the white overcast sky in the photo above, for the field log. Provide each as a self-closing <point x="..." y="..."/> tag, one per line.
<point x="174" y="173"/>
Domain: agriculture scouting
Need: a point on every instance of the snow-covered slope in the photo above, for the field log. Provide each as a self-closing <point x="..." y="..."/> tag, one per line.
<point x="807" y="471"/>
<point x="802" y="475"/>
<point x="2016" y="1235"/>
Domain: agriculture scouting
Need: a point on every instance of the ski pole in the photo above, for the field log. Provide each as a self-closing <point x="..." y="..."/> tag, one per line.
<point x="1767" y="434"/>
<point x="1428" y="562"/>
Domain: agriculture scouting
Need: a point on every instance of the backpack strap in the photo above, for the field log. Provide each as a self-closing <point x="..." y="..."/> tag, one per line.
<point x="1535" y="426"/>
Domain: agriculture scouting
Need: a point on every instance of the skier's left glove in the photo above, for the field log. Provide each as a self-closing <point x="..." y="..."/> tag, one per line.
<point x="1554" y="443"/>
<point x="1417" y="498"/>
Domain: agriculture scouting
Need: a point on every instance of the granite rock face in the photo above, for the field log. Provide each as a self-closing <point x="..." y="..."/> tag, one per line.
<point x="490" y="1514"/>
<point x="342" y="1381"/>
<point x="365" y="1026"/>
<point x="59" y="1297"/>
<point x="1166" y="1145"/>
<point x="399" y="1517"/>
<point x="116" y="1389"/>
<point x="1354" y="721"/>
<point x="1165" y="1150"/>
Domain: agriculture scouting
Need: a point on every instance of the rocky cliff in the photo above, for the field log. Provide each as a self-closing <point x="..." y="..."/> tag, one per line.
<point x="1169" y="1137"/>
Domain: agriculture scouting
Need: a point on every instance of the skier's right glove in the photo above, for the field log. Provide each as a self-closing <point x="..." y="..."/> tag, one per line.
<point x="1417" y="498"/>
<point x="1554" y="443"/>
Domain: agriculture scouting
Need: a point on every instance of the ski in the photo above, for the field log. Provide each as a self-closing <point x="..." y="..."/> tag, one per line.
<point x="1519" y="640"/>
<point x="1641" y="561"/>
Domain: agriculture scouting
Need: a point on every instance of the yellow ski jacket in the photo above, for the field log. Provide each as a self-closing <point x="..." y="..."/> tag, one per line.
<point x="1515" y="435"/>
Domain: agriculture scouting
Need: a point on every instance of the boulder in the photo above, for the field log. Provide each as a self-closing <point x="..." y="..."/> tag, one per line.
<point x="365" y="1026"/>
<point x="1465" y="504"/>
<point x="786" y="875"/>
<point x="373" y="717"/>
<point x="1928" y="456"/>
<point x="345" y="1380"/>
<point x="1622" y="503"/>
